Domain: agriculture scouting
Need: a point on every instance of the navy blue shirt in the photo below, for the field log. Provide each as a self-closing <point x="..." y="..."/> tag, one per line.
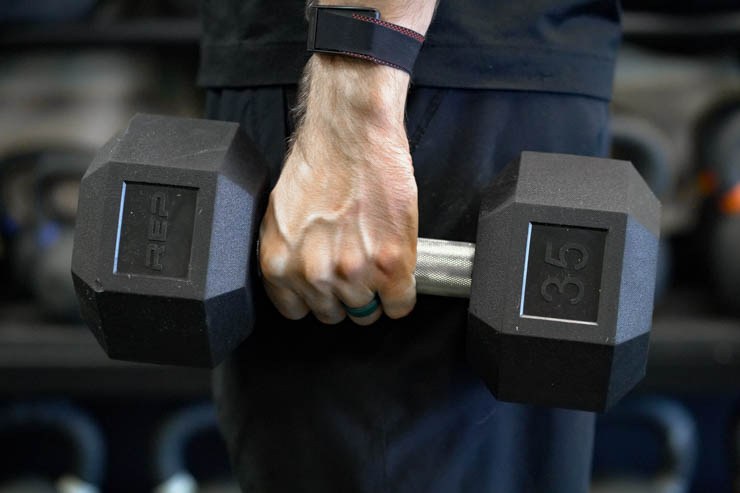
<point x="306" y="407"/>
<point x="565" y="46"/>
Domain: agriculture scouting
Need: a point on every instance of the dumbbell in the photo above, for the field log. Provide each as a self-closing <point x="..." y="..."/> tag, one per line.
<point x="560" y="281"/>
<point x="637" y="140"/>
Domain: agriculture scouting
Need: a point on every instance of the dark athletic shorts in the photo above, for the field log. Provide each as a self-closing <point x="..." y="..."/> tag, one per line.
<point x="306" y="407"/>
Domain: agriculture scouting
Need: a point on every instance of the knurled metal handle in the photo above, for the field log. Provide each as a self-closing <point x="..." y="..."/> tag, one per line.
<point x="444" y="268"/>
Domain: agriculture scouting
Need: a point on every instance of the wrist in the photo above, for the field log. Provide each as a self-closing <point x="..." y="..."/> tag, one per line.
<point x="352" y="117"/>
<point x="347" y="93"/>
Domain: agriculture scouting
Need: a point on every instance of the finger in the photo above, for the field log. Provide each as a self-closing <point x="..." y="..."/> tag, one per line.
<point x="394" y="280"/>
<point x="273" y="257"/>
<point x="354" y="296"/>
<point x="276" y="270"/>
<point x="367" y="319"/>
<point x="317" y="291"/>
<point x="351" y="289"/>
<point x="398" y="298"/>
<point x="324" y="305"/>
<point x="288" y="302"/>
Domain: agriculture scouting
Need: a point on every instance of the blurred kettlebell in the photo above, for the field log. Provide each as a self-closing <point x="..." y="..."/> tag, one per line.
<point x="17" y="216"/>
<point x="172" y="442"/>
<point x="42" y="256"/>
<point x="79" y="432"/>
<point x="672" y="423"/>
<point x="718" y="151"/>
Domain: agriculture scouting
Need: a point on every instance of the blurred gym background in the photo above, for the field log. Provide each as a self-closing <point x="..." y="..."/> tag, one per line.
<point x="74" y="71"/>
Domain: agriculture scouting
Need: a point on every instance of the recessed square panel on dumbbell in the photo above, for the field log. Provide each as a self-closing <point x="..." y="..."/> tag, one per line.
<point x="165" y="216"/>
<point x="560" y="281"/>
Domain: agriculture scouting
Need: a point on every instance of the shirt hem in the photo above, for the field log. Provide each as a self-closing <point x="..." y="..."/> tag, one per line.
<point x="539" y="69"/>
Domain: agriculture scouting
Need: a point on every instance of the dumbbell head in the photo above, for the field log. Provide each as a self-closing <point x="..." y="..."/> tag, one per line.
<point x="563" y="279"/>
<point x="166" y="225"/>
<point x="637" y="140"/>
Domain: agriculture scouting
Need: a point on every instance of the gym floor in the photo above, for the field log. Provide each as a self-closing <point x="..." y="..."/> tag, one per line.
<point x="73" y="72"/>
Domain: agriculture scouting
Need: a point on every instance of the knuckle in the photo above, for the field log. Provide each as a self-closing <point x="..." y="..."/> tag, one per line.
<point x="273" y="265"/>
<point x="392" y="261"/>
<point x="350" y="267"/>
<point x="403" y="300"/>
<point x="317" y="277"/>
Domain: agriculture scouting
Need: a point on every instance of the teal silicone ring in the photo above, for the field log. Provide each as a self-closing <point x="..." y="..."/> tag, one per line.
<point x="365" y="310"/>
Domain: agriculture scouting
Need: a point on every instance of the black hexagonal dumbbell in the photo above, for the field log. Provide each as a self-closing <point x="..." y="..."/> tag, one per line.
<point x="560" y="284"/>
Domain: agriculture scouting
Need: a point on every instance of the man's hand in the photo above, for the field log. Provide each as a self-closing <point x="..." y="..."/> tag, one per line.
<point x="342" y="221"/>
<point x="341" y="224"/>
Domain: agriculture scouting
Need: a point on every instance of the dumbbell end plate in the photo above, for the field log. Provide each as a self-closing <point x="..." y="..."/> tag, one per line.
<point x="162" y="263"/>
<point x="563" y="281"/>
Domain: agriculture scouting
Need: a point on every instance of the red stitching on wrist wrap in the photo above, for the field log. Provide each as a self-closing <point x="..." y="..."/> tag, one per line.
<point x="372" y="59"/>
<point x="408" y="32"/>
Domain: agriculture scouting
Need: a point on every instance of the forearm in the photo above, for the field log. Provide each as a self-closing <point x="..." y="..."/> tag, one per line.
<point x="353" y="99"/>
<point x="363" y="94"/>
<point x="368" y="92"/>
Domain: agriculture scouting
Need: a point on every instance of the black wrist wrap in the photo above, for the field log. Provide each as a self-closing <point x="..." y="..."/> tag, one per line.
<point x="360" y="33"/>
